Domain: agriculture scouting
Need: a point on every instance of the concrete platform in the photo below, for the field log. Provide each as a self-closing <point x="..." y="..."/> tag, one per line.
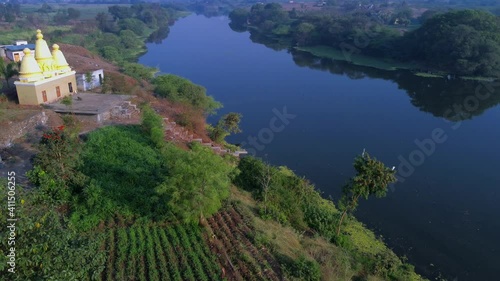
<point x="94" y="107"/>
<point x="86" y="103"/>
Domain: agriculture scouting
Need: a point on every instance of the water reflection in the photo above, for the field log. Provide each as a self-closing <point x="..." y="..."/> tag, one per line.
<point x="159" y="35"/>
<point x="452" y="99"/>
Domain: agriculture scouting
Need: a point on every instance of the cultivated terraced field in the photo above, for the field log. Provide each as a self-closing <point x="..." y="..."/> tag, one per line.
<point x="154" y="253"/>
<point x="242" y="260"/>
<point x="223" y="251"/>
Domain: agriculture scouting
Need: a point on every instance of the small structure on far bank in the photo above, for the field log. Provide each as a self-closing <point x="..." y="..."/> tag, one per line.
<point x="90" y="79"/>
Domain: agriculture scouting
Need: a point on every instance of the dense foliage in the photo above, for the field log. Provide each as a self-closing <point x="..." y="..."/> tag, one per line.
<point x="46" y="248"/>
<point x="133" y="172"/>
<point x="181" y="90"/>
<point x="7" y="71"/>
<point x="372" y="178"/>
<point x="462" y="42"/>
<point x="9" y="10"/>
<point x="197" y="183"/>
<point x="291" y="200"/>
<point x="43" y="231"/>
<point x="228" y="124"/>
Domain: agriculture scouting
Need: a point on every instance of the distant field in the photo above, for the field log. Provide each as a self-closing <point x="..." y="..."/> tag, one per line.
<point x="88" y="11"/>
<point x="8" y="36"/>
<point x="357" y="59"/>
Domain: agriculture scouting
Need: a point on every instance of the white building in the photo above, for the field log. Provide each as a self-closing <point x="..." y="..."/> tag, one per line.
<point x="89" y="80"/>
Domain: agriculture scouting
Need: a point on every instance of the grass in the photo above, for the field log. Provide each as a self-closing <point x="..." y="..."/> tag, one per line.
<point x="356" y="59"/>
<point x="8" y="36"/>
<point x="336" y="262"/>
<point x="470" y="78"/>
<point x="485" y="79"/>
<point x="428" y="75"/>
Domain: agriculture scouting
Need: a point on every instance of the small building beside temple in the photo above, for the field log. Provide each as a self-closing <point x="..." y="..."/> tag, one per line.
<point x="44" y="76"/>
<point x="90" y="79"/>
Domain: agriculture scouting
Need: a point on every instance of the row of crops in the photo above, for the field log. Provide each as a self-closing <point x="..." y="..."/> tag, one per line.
<point x="154" y="253"/>
<point x="237" y="253"/>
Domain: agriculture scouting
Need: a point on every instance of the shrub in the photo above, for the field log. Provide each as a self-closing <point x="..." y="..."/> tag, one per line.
<point x="181" y="90"/>
<point x="152" y="124"/>
<point x="303" y="269"/>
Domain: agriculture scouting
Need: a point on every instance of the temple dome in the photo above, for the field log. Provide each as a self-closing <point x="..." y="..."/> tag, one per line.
<point x="30" y="71"/>
<point x="60" y="62"/>
<point x="43" y="55"/>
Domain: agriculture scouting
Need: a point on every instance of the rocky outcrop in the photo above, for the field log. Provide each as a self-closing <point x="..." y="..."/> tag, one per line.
<point x="12" y="130"/>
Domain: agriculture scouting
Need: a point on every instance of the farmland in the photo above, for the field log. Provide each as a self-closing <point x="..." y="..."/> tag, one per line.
<point x="223" y="249"/>
<point x="242" y="260"/>
<point x="157" y="252"/>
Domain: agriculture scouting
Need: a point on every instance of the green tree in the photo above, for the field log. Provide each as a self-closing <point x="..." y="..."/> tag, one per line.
<point x="178" y="89"/>
<point x="133" y="24"/>
<point x="51" y="250"/>
<point x="227" y="125"/>
<point x="303" y="33"/>
<point x="198" y="182"/>
<point x="8" y="71"/>
<point x="153" y="125"/>
<point x="129" y="39"/>
<point x="56" y="165"/>
<point x="372" y="178"/>
<point x="139" y="71"/>
<point x="111" y="54"/>
<point x="462" y="42"/>
<point x="88" y="77"/>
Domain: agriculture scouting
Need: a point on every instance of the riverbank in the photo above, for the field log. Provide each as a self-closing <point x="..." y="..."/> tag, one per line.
<point x="360" y="254"/>
<point x="354" y="57"/>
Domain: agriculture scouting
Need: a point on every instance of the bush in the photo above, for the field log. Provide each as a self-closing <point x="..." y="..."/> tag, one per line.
<point x="152" y="124"/>
<point x="181" y="90"/>
<point x="322" y="217"/>
<point x="303" y="269"/>
<point x="139" y="71"/>
<point x="197" y="184"/>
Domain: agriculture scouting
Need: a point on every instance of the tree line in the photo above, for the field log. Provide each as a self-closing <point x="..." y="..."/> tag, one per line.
<point x="462" y="42"/>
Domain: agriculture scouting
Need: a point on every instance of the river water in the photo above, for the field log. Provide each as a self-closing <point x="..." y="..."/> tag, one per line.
<point x="315" y="116"/>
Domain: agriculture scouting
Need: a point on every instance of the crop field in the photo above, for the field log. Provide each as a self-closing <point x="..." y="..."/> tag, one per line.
<point x="241" y="259"/>
<point x="223" y="251"/>
<point x="153" y="252"/>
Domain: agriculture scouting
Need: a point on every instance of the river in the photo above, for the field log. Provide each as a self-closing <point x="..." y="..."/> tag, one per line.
<point x="442" y="136"/>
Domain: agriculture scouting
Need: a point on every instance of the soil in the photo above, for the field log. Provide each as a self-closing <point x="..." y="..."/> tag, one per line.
<point x="82" y="60"/>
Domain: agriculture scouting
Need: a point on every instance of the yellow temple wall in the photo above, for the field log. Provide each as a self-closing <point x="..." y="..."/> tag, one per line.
<point x="32" y="93"/>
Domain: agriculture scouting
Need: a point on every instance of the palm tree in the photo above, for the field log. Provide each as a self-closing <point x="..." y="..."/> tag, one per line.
<point x="8" y="71"/>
